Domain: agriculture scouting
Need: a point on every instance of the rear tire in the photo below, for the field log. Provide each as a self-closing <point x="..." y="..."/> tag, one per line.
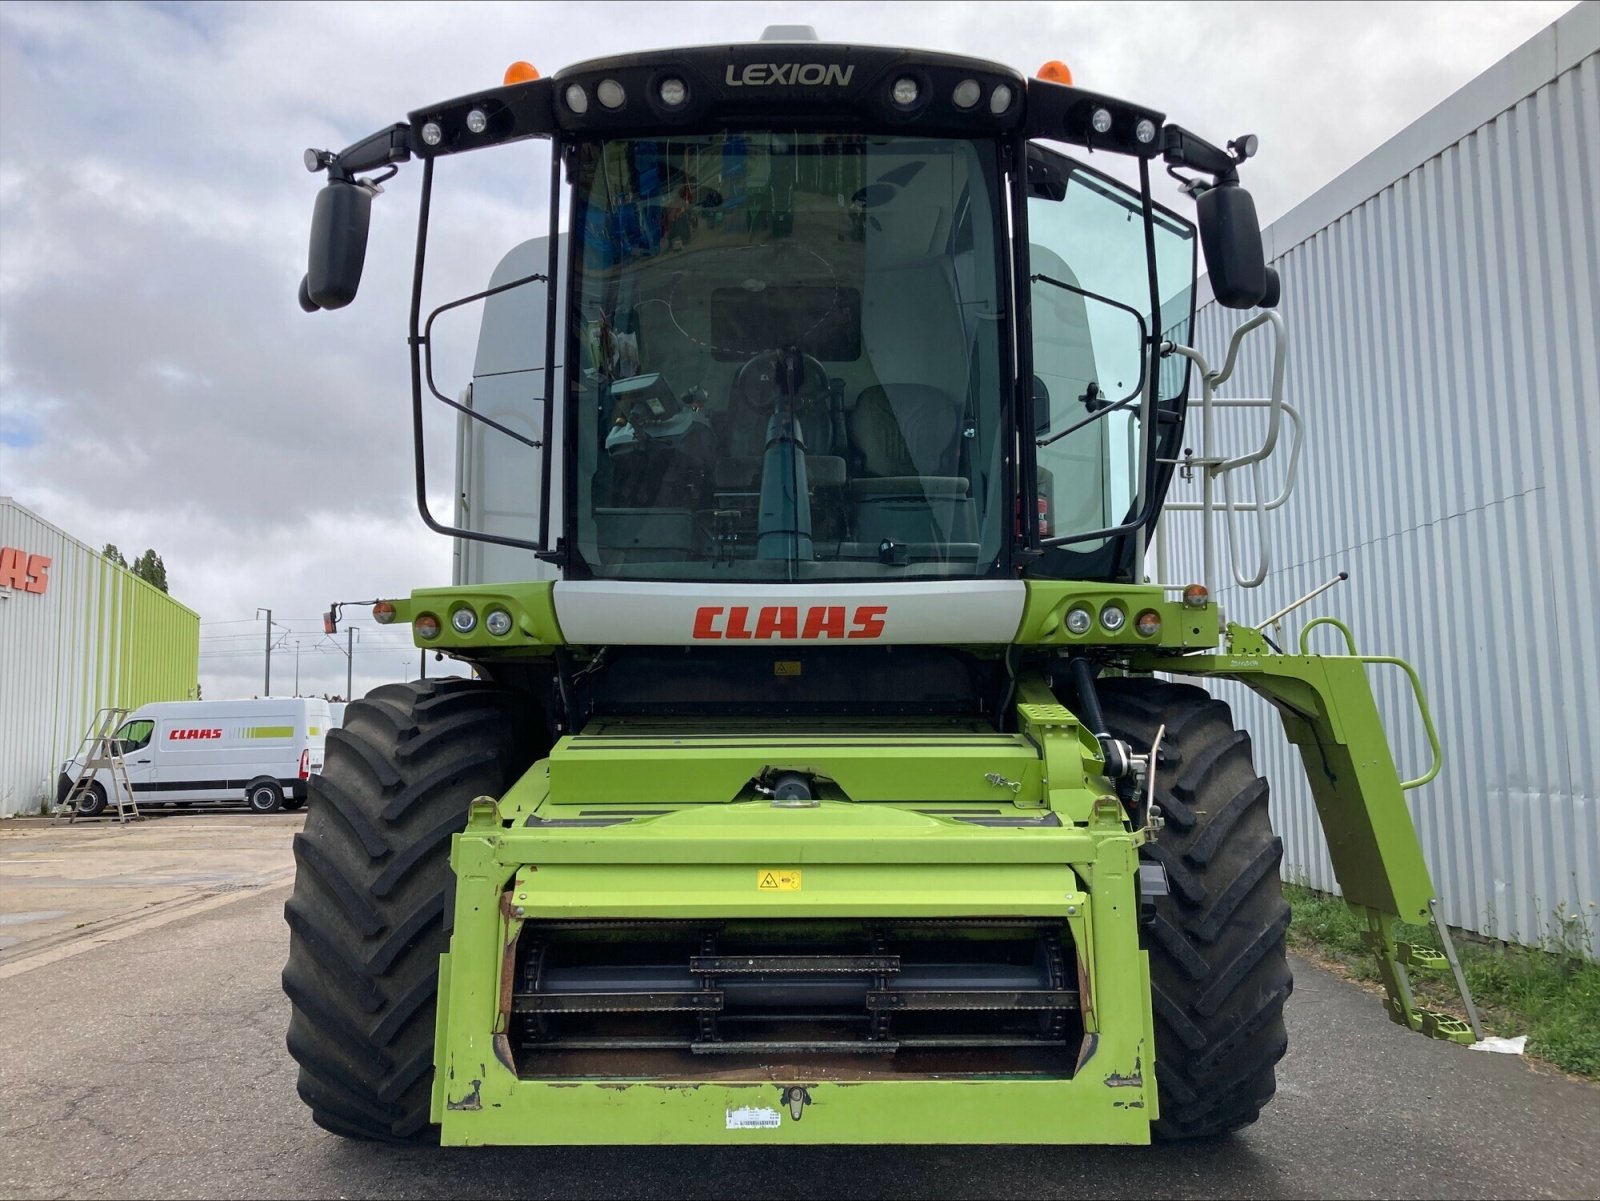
<point x="374" y="895"/>
<point x="1219" y="970"/>
<point x="264" y="796"/>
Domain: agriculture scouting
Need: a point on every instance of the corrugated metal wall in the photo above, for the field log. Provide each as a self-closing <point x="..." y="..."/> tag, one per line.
<point x="98" y="635"/>
<point x="1444" y="335"/>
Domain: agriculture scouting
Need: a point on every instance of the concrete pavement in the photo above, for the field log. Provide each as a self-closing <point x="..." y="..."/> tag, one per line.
<point x="72" y="885"/>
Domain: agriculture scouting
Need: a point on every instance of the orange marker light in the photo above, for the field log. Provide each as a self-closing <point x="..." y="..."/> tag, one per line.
<point x="521" y="72"/>
<point x="1055" y="71"/>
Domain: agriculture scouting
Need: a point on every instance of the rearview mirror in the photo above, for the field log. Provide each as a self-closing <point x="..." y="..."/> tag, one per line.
<point x="1230" y="237"/>
<point x="338" y="246"/>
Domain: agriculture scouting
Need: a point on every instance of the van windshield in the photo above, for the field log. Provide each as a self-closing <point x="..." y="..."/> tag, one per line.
<point x="790" y="349"/>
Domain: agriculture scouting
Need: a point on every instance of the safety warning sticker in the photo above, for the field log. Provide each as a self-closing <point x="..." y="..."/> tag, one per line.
<point x="778" y="879"/>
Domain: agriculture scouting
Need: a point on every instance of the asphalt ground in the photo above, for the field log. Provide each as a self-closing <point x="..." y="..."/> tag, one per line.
<point x="148" y="1061"/>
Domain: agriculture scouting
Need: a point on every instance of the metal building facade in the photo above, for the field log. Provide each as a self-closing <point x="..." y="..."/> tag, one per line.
<point x="1443" y="303"/>
<point x="76" y="635"/>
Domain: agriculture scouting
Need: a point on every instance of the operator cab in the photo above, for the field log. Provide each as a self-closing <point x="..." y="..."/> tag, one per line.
<point x="838" y="313"/>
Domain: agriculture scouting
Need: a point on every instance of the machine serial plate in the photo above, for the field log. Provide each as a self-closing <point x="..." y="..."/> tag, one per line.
<point x="752" y="1118"/>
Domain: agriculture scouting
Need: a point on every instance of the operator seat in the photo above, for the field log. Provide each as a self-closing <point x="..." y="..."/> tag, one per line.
<point x="907" y="487"/>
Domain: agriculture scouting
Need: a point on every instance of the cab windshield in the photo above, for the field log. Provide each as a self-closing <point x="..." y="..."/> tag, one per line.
<point x="791" y="357"/>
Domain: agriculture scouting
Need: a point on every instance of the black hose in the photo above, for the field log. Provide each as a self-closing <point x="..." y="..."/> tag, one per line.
<point x="1082" y="673"/>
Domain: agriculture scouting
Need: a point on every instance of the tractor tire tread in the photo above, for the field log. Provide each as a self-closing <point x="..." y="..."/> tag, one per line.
<point x="1219" y="967"/>
<point x="374" y="894"/>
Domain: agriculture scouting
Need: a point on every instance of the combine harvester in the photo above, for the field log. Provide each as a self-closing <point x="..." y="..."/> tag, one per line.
<point x="820" y="783"/>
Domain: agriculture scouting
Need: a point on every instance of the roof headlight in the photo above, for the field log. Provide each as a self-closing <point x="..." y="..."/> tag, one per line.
<point x="1145" y="131"/>
<point x="1000" y="99"/>
<point x="432" y="134"/>
<point x="610" y="93"/>
<point x="905" y="91"/>
<point x="577" y="99"/>
<point x="1101" y="120"/>
<point x="966" y="94"/>
<point x="673" y="92"/>
<point x="477" y="120"/>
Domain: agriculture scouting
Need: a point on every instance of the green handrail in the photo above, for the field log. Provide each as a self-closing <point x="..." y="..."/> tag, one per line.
<point x="1416" y="690"/>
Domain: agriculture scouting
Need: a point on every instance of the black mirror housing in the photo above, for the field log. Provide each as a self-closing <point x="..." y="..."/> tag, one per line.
<point x="338" y="252"/>
<point x="1230" y="237"/>
<point x="1274" y="290"/>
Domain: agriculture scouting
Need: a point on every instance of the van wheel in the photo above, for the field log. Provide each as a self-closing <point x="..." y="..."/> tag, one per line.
<point x="93" y="803"/>
<point x="264" y="797"/>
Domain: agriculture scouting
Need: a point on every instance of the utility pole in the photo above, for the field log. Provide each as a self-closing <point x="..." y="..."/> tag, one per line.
<point x="349" y="661"/>
<point x="266" y="688"/>
<point x="297" y="667"/>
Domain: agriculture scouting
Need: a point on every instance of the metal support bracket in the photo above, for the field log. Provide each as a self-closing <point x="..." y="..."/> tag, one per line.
<point x="1329" y="713"/>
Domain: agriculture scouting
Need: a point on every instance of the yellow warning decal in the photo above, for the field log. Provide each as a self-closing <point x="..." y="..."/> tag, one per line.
<point x="778" y="879"/>
<point x="787" y="667"/>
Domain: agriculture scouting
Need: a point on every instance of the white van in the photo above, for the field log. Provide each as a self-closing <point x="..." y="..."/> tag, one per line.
<point x="261" y="752"/>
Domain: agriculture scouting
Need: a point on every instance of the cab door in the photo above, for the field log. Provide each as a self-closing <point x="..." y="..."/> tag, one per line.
<point x="139" y="758"/>
<point x="1092" y="326"/>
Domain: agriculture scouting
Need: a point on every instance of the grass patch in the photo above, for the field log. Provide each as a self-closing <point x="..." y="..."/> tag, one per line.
<point x="1551" y="994"/>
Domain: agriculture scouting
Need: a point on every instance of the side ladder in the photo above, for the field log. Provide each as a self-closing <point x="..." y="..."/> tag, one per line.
<point x="100" y="751"/>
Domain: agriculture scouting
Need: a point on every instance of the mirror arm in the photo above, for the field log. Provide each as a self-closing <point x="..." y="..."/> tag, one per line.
<point x="385" y="148"/>
<point x="1181" y="148"/>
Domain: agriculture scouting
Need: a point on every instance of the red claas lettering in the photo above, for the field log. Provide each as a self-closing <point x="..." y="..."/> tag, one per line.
<point x="784" y="622"/>
<point x="869" y="621"/>
<point x="13" y="568"/>
<point x="24" y="572"/>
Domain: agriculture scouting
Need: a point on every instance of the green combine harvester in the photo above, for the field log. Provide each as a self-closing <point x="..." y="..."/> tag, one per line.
<point x="822" y="780"/>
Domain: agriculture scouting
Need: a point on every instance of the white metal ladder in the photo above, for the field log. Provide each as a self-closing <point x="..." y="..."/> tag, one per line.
<point x="100" y="750"/>
<point x="1216" y="468"/>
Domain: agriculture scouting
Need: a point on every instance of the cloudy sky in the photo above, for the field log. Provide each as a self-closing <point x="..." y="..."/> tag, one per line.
<point x="160" y="387"/>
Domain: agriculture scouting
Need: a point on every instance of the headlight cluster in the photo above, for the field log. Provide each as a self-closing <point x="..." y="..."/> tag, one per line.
<point x="463" y="620"/>
<point x="1113" y="617"/>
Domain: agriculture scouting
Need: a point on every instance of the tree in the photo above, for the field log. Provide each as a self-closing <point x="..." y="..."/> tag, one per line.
<point x="151" y="569"/>
<point x="111" y="552"/>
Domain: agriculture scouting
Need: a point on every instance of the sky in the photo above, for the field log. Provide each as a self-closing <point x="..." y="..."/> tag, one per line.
<point x="160" y="387"/>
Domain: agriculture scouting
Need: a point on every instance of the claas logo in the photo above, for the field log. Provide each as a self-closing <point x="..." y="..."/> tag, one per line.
<point x="23" y="572"/>
<point x="789" y="622"/>
<point x="185" y="735"/>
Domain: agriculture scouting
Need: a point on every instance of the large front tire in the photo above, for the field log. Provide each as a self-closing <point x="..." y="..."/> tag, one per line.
<point x="374" y="895"/>
<point x="1219" y="969"/>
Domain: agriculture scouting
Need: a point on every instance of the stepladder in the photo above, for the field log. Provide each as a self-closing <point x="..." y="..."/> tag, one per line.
<point x="101" y="782"/>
